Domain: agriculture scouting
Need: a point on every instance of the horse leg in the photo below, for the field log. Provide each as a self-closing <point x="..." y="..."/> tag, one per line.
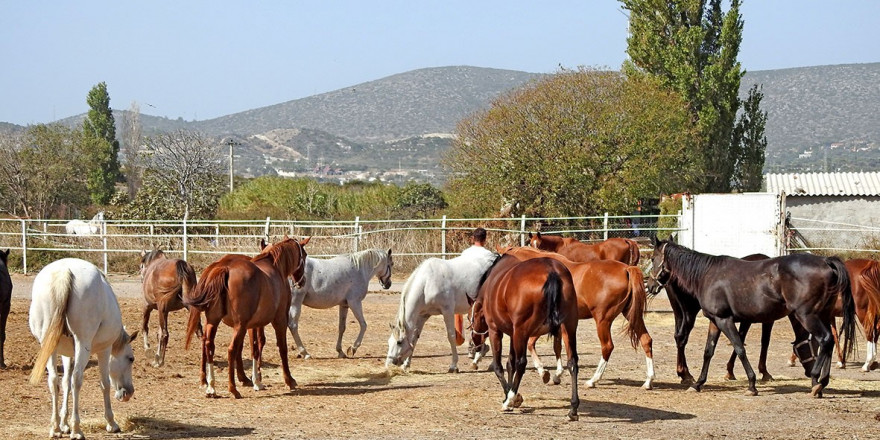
<point x="766" y="329"/>
<point x="207" y="373"/>
<point x="104" y="370"/>
<point x="280" y="326"/>
<point x="233" y="354"/>
<point x="516" y="364"/>
<point x="821" y="370"/>
<point x="840" y="362"/>
<point x="258" y="342"/>
<point x="55" y="429"/>
<point x="80" y="360"/>
<point x="536" y="360"/>
<point x="293" y="325"/>
<point x="343" y="315"/>
<point x="145" y="325"/>
<point x="238" y="365"/>
<point x="66" y="386"/>
<point x="163" y="336"/>
<point x="495" y="340"/>
<point x="569" y="338"/>
<point x="647" y="344"/>
<point x="358" y="310"/>
<point x="870" y="347"/>
<point x="449" y="319"/>
<point x="603" y="330"/>
<point x="743" y="331"/>
<point x="711" y="342"/>
<point x="684" y="323"/>
<point x="4" y="314"/>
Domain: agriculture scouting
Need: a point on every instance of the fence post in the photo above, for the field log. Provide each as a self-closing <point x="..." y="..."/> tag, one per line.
<point x="357" y="233"/>
<point x="24" y="246"/>
<point x="605" y="225"/>
<point x="443" y="237"/>
<point x="266" y="232"/>
<point x="522" y="230"/>
<point x="104" y="240"/>
<point x="185" y="240"/>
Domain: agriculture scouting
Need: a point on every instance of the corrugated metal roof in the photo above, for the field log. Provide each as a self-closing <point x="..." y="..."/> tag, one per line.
<point x="824" y="184"/>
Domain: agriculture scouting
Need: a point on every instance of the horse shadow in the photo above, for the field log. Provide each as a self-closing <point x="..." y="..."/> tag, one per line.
<point x="156" y="428"/>
<point x="349" y="389"/>
<point x="621" y="412"/>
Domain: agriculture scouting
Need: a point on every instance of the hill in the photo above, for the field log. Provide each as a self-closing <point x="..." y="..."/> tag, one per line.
<point x="404" y="121"/>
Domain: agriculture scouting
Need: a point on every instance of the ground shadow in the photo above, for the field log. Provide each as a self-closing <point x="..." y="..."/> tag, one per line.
<point x="165" y="429"/>
<point x="348" y="389"/>
<point x="620" y="412"/>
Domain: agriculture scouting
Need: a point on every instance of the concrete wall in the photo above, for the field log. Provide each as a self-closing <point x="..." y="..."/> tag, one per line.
<point x="862" y="212"/>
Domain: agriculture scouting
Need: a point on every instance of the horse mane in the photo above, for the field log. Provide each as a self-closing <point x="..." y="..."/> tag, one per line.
<point x="690" y="266"/>
<point x="485" y="274"/>
<point x="401" y="312"/>
<point x="370" y="256"/>
<point x="280" y="259"/>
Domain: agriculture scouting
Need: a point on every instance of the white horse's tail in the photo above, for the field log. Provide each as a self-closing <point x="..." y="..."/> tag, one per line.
<point x="59" y="289"/>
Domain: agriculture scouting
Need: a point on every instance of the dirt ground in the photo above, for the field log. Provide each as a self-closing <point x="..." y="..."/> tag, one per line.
<point x="358" y="398"/>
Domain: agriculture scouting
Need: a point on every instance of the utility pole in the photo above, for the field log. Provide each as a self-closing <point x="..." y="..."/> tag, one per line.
<point x="232" y="143"/>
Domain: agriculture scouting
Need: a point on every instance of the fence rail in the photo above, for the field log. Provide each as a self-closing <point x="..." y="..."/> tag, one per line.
<point x="115" y="245"/>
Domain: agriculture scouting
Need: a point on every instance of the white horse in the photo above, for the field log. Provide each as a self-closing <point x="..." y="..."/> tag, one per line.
<point x="74" y="313"/>
<point x="340" y="281"/>
<point x="436" y="287"/>
<point x="79" y="227"/>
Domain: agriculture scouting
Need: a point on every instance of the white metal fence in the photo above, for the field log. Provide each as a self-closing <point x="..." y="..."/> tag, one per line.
<point x="115" y="245"/>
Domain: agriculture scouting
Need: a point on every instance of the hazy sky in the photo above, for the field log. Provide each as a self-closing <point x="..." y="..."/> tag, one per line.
<point x="204" y="59"/>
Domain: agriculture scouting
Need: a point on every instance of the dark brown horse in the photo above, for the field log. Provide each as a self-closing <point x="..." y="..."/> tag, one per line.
<point x="605" y="289"/>
<point x="5" y="301"/>
<point x="165" y="282"/>
<point x="247" y="293"/>
<point x="617" y="249"/>
<point x="726" y="289"/>
<point x="525" y="299"/>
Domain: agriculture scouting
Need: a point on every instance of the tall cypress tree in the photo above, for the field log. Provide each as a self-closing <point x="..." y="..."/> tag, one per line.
<point x="693" y="47"/>
<point x="100" y="144"/>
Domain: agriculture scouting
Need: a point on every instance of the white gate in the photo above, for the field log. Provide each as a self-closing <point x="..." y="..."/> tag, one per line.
<point x="734" y="224"/>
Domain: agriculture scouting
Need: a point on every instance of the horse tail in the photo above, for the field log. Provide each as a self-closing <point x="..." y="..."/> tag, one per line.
<point x="187" y="277"/>
<point x="60" y="287"/>
<point x="869" y="280"/>
<point x="459" y="329"/>
<point x="210" y="291"/>
<point x="553" y="298"/>
<point x="635" y="310"/>
<point x="842" y="287"/>
<point x="634" y="253"/>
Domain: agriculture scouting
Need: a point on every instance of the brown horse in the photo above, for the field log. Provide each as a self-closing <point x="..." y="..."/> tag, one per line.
<point x="5" y="300"/>
<point x="247" y="293"/>
<point x="165" y="282"/>
<point x="605" y="289"/>
<point x="617" y="249"/>
<point x="525" y="299"/>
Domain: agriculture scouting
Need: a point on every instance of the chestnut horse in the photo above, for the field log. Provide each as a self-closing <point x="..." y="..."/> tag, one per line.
<point x="617" y="249"/>
<point x="247" y="293"/>
<point x="605" y="289"/>
<point x="165" y="282"/>
<point x="525" y="299"/>
<point x="726" y="289"/>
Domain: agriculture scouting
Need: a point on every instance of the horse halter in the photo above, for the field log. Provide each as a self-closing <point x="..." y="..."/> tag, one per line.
<point x="471" y="325"/>
<point x="298" y="283"/>
<point x="661" y="269"/>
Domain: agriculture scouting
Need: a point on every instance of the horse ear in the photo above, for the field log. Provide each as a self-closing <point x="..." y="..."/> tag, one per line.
<point x="672" y="238"/>
<point x="389" y="252"/>
<point x="530" y="235"/>
<point x="654" y="241"/>
<point x="305" y="241"/>
<point x="133" y="336"/>
<point x="262" y="243"/>
<point x="286" y="237"/>
<point x="538" y="234"/>
<point x="143" y="253"/>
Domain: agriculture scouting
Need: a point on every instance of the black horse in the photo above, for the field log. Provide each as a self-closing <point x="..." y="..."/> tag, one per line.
<point x="803" y="287"/>
<point x="5" y="301"/>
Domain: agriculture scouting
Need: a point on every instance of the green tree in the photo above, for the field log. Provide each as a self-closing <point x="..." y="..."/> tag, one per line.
<point x="42" y="171"/>
<point x="749" y="132"/>
<point x="99" y="141"/>
<point x="692" y="46"/>
<point x="578" y="142"/>
<point x="420" y="200"/>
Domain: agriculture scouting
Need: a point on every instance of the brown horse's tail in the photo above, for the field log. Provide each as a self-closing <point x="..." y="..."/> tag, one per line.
<point x="635" y="310"/>
<point x="634" y="254"/>
<point x="869" y="280"/>
<point x="459" y="329"/>
<point x="553" y="298"/>
<point x="842" y="287"/>
<point x="210" y="291"/>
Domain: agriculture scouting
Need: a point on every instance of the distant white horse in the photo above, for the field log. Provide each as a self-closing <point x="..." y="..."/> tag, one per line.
<point x="340" y="281"/>
<point x="74" y="313"/>
<point x="436" y="287"/>
<point x="79" y="227"/>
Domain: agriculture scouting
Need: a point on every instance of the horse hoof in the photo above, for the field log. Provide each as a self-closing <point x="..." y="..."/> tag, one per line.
<point x="517" y="401"/>
<point x="2" y="366"/>
<point x="341" y="355"/>
<point x="235" y="394"/>
<point x="693" y="390"/>
<point x="687" y="380"/>
<point x="546" y="377"/>
<point x="751" y="392"/>
<point x="211" y="395"/>
<point x="841" y="366"/>
<point x="307" y="356"/>
<point x="590" y="384"/>
<point x="247" y="382"/>
<point x="648" y="386"/>
<point x="350" y="351"/>
<point x="817" y="391"/>
<point x="453" y="370"/>
<point x="557" y="380"/>
<point x="729" y="376"/>
<point x="572" y="417"/>
<point x="111" y="428"/>
<point x="791" y="363"/>
<point x="475" y="367"/>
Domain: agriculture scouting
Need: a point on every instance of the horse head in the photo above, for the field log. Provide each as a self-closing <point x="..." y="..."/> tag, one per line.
<point x="121" y="360"/>
<point x="400" y="346"/>
<point x="385" y="275"/>
<point x="479" y="327"/>
<point x="148" y="257"/>
<point x="658" y="274"/>
<point x="4" y="257"/>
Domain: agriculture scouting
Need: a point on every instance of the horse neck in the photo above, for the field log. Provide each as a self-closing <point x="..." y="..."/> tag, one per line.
<point x="687" y="268"/>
